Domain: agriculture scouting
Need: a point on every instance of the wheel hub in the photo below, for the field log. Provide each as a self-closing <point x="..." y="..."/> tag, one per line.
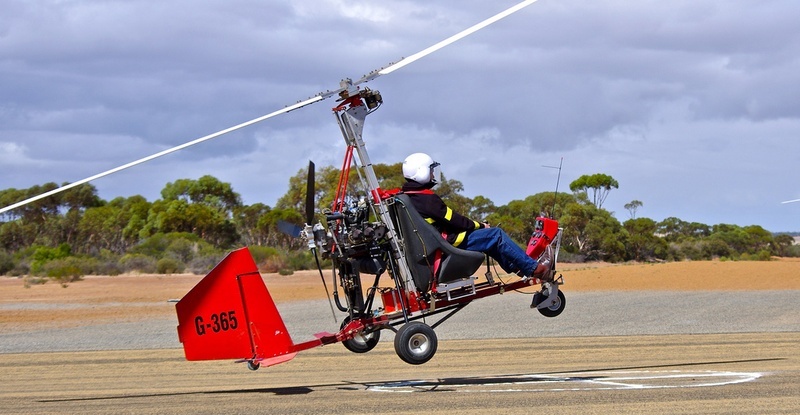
<point x="418" y="344"/>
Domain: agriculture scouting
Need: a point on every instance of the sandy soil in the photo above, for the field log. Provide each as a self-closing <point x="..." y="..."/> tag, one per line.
<point x="137" y="297"/>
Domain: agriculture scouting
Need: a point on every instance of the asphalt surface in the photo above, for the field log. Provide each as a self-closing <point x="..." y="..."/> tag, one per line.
<point x="682" y="374"/>
<point x="631" y="352"/>
<point x="503" y="316"/>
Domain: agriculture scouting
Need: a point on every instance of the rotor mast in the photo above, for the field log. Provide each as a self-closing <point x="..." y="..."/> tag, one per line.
<point x="351" y="114"/>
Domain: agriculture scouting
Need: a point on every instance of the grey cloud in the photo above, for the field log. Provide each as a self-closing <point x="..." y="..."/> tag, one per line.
<point x="614" y="86"/>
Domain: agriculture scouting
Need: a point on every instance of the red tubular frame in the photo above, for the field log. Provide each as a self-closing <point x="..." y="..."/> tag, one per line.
<point x="344" y="177"/>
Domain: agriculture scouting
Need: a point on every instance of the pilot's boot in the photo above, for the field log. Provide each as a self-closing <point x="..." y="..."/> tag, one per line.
<point x="544" y="271"/>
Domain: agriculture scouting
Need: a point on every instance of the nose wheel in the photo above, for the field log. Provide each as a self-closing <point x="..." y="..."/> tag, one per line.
<point x="415" y="343"/>
<point x="550" y="301"/>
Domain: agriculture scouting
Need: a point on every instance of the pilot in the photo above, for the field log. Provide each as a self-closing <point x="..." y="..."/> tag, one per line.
<point x="420" y="172"/>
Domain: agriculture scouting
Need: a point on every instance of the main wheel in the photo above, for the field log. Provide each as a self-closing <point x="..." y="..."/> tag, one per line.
<point x="415" y="343"/>
<point x="553" y="310"/>
<point x="360" y="343"/>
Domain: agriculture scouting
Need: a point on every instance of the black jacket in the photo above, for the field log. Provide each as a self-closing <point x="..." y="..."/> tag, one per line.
<point x="453" y="226"/>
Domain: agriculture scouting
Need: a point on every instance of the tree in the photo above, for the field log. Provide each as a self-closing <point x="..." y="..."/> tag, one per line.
<point x="268" y="225"/>
<point x="16" y="235"/>
<point x="600" y="184"/>
<point x="518" y="217"/>
<point x="325" y="183"/>
<point x="101" y="228"/>
<point x="206" y="190"/>
<point x="36" y="211"/>
<point x="671" y="228"/>
<point x="203" y="207"/>
<point x="246" y="219"/>
<point x="482" y="207"/>
<point x="642" y="243"/>
<point x="137" y="209"/>
<point x="389" y="177"/>
<point x="632" y="207"/>
<point x="593" y="232"/>
<point x="450" y="192"/>
<point x="676" y="230"/>
<point x="783" y="243"/>
<point x="80" y="197"/>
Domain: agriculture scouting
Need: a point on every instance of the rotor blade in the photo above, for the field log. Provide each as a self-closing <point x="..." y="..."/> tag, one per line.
<point x="300" y="104"/>
<point x="460" y="35"/>
<point x="310" y="193"/>
<point x="319" y="97"/>
<point x="791" y="201"/>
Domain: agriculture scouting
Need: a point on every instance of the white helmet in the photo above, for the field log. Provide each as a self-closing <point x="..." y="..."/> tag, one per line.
<point x="419" y="168"/>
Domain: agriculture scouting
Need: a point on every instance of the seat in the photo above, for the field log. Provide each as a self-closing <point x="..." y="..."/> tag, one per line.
<point x="424" y="245"/>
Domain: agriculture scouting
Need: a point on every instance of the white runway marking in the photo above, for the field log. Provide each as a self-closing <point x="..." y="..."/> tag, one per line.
<point x="559" y="382"/>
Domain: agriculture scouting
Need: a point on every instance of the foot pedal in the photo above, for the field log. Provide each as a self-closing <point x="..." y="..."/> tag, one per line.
<point x="489" y="277"/>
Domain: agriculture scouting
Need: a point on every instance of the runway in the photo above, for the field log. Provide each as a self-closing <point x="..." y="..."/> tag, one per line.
<point x="741" y="373"/>
<point x="645" y="352"/>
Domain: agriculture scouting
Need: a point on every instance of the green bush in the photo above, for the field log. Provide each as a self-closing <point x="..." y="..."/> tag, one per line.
<point x="573" y="258"/>
<point x="6" y="262"/>
<point x="21" y="268"/>
<point x="202" y="265"/>
<point x="43" y="254"/>
<point x="158" y="245"/>
<point x="107" y="267"/>
<point x="300" y="260"/>
<point x="674" y="253"/>
<point x="85" y="265"/>
<point x="138" y="263"/>
<point x="181" y="249"/>
<point x="66" y="270"/>
<point x="262" y="253"/>
<point x="30" y="281"/>
<point x="763" y="255"/>
<point x="714" y="248"/>
<point x="690" y="250"/>
<point x="267" y="258"/>
<point x="169" y="266"/>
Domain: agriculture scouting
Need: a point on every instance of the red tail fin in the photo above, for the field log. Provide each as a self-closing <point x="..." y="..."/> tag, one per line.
<point x="230" y="314"/>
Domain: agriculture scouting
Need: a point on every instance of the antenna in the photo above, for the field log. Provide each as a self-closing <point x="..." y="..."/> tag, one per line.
<point x="555" y="195"/>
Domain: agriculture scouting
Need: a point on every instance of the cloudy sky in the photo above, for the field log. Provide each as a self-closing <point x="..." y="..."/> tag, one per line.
<point x="692" y="105"/>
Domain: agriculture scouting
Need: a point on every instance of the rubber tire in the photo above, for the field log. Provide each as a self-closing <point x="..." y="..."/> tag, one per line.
<point x="415" y="343"/>
<point x="555" y="309"/>
<point x="360" y="343"/>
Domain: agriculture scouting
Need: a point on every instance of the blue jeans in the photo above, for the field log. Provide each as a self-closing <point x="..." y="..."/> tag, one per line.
<point x="497" y="243"/>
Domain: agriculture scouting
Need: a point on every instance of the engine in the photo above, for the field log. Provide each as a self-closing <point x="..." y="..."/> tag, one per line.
<point x="356" y="246"/>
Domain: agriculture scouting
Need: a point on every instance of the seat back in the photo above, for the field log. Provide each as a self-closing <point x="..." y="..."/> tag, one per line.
<point x="423" y="245"/>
